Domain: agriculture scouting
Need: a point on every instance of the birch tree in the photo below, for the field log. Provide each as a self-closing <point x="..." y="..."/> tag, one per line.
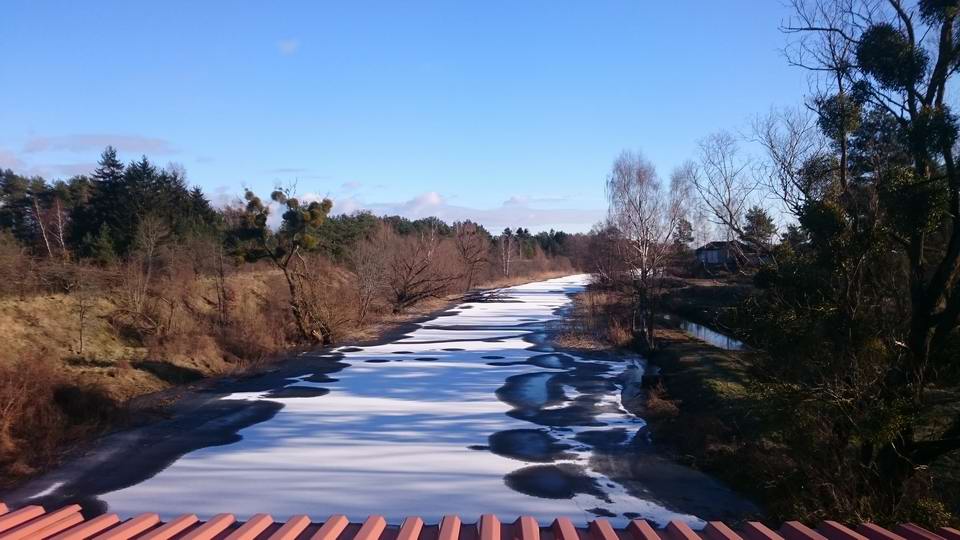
<point x="506" y="245"/>
<point x="646" y="215"/>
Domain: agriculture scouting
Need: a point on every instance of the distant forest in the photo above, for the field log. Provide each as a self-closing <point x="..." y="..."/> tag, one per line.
<point x="97" y="218"/>
<point x="129" y="280"/>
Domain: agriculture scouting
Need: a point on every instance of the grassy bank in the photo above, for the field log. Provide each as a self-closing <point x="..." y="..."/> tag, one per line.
<point x="73" y="367"/>
<point x="721" y="412"/>
<point x="706" y="406"/>
<point x="702" y="407"/>
<point x="701" y="413"/>
<point x="704" y="413"/>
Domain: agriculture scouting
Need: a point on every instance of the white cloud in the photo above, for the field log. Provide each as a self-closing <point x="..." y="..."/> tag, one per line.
<point x="9" y="160"/>
<point x="86" y="142"/>
<point x="73" y="169"/>
<point x="288" y="47"/>
<point x="514" y="212"/>
<point x="424" y="204"/>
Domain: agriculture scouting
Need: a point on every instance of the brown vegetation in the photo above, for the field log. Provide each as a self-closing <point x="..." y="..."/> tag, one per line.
<point x="599" y="320"/>
<point x="82" y="340"/>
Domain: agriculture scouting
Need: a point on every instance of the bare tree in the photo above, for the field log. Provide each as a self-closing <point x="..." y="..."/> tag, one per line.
<point x="646" y="216"/>
<point x="703" y="229"/>
<point x="472" y="247"/>
<point x="605" y="254"/>
<point x="723" y="178"/>
<point x="223" y="295"/>
<point x="84" y="301"/>
<point x="793" y="144"/>
<point x="139" y="306"/>
<point x="321" y="299"/>
<point x="38" y="217"/>
<point x="825" y="44"/>
<point x="416" y="271"/>
<point x="152" y="231"/>
<point x="61" y="229"/>
<point x="369" y="263"/>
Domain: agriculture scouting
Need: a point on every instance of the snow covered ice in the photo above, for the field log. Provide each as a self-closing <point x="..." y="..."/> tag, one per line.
<point x="468" y="414"/>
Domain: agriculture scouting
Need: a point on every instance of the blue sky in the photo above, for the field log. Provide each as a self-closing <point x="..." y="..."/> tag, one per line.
<point x="507" y="111"/>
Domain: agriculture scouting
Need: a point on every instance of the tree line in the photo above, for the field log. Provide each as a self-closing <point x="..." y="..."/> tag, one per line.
<point x="129" y="216"/>
<point x="153" y="285"/>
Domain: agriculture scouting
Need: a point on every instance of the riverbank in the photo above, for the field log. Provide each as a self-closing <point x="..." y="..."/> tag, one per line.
<point x="703" y="407"/>
<point x="711" y="412"/>
<point x="697" y="398"/>
<point x="710" y="302"/>
<point x="475" y="411"/>
<point x="672" y="448"/>
<point x="703" y="412"/>
<point x="67" y="400"/>
<point x="715" y="407"/>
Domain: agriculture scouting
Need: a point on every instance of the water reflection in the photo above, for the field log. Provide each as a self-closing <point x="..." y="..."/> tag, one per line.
<point x="711" y="336"/>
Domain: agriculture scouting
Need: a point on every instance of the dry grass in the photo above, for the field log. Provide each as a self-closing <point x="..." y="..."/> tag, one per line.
<point x="658" y="406"/>
<point x="53" y="394"/>
<point x="47" y="328"/>
<point x="41" y="410"/>
<point x="600" y="320"/>
<point x="74" y="394"/>
<point x="52" y="320"/>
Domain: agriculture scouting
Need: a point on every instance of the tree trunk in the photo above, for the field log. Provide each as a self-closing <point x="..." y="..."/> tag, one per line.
<point x="43" y="229"/>
<point x="221" y="290"/>
<point x="61" y="235"/>
<point x="296" y="307"/>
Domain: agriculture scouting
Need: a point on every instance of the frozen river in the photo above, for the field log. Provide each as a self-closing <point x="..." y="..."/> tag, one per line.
<point x="471" y="412"/>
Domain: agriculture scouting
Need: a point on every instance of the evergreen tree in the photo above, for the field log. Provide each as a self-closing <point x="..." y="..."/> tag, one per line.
<point x="15" y="205"/>
<point x="758" y="227"/>
<point x="102" y="207"/>
<point x="101" y="247"/>
<point x="683" y="236"/>
<point x="339" y="235"/>
<point x="109" y="168"/>
<point x="121" y="197"/>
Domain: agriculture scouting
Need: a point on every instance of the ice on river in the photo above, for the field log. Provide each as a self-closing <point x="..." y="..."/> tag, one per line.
<point x="468" y="414"/>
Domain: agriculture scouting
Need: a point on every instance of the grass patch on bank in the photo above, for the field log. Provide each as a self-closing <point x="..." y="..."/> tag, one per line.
<point x="599" y="320"/>
<point x="702" y="411"/>
<point x="712" y="421"/>
<point x="701" y="375"/>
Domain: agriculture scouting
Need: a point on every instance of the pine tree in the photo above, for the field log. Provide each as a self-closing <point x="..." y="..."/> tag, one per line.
<point x="758" y="227"/>
<point x="103" y="199"/>
<point x="683" y="236"/>
<point x="100" y="248"/>
<point x="15" y="215"/>
<point x="109" y="168"/>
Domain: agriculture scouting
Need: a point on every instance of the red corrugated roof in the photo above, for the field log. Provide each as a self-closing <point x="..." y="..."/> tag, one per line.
<point x="34" y="522"/>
